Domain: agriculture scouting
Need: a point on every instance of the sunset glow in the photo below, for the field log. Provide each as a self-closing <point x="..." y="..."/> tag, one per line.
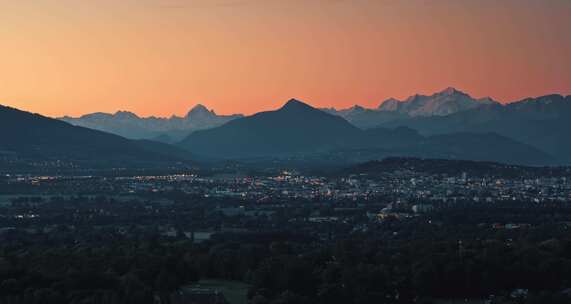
<point x="159" y="57"/>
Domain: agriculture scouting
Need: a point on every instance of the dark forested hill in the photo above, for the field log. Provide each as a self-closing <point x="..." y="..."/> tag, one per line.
<point x="452" y="167"/>
<point x="294" y="128"/>
<point x="32" y="136"/>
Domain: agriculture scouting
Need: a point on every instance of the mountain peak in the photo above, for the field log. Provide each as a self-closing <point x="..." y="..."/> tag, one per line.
<point x="126" y="115"/>
<point x="293" y="104"/>
<point x="200" y="109"/>
<point x="357" y="108"/>
<point x="391" y="104"/>
<point x="450" y="91"/>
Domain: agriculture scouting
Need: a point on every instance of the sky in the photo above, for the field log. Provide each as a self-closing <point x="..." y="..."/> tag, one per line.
<point x="161" y="57"/>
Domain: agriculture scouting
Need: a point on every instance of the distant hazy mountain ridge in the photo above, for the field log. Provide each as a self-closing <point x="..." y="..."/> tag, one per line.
<point x="446" y="102"/>
<point x="171" y="129"/>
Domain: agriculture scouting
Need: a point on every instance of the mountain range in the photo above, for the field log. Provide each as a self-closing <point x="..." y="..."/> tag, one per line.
<point x="443" y="103"/>
<point x="173" y="129"/>
<point x="447" y="125"/>
<point x="542" y="122"/>
<point x="31" y="136"/>
<point x="446" y="102"/>
<point x="298" y="130"/>
<point x="129" y="125"/>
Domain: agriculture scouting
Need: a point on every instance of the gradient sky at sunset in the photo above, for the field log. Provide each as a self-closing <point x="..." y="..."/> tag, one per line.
<point x="160" y="57"/>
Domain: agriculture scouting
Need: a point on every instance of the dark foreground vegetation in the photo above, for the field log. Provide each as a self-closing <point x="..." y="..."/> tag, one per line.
<point x="100" y="251"/>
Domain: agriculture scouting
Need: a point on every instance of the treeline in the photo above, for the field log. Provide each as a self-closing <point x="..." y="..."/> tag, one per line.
<point x="365" y="271"/>
<point x="453" y="253"/>
<point x="456" y="168"/>
<point x="358" y="270"/>
<point x="117" y="272"/>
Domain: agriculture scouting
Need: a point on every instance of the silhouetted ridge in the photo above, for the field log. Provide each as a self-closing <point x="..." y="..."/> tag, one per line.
<point x="32" y="136"/>
<point x="126" y="115"/>
<point x="199" y="109"/>
<point x="294" y="128"/>
<point x="450" y="167"/>
<point x="451" y="91"/>
<point x="295" y="105"/>
<point x="299" y="130"/>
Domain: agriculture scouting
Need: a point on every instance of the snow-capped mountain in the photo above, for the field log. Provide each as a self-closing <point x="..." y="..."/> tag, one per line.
<point x="445" y="102"/>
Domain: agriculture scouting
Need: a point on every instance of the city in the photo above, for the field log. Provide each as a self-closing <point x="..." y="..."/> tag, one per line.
<point x="224" y="215"/>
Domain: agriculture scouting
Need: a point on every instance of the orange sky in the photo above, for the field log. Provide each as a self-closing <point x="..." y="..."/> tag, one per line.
<point x="160" y="57"/>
